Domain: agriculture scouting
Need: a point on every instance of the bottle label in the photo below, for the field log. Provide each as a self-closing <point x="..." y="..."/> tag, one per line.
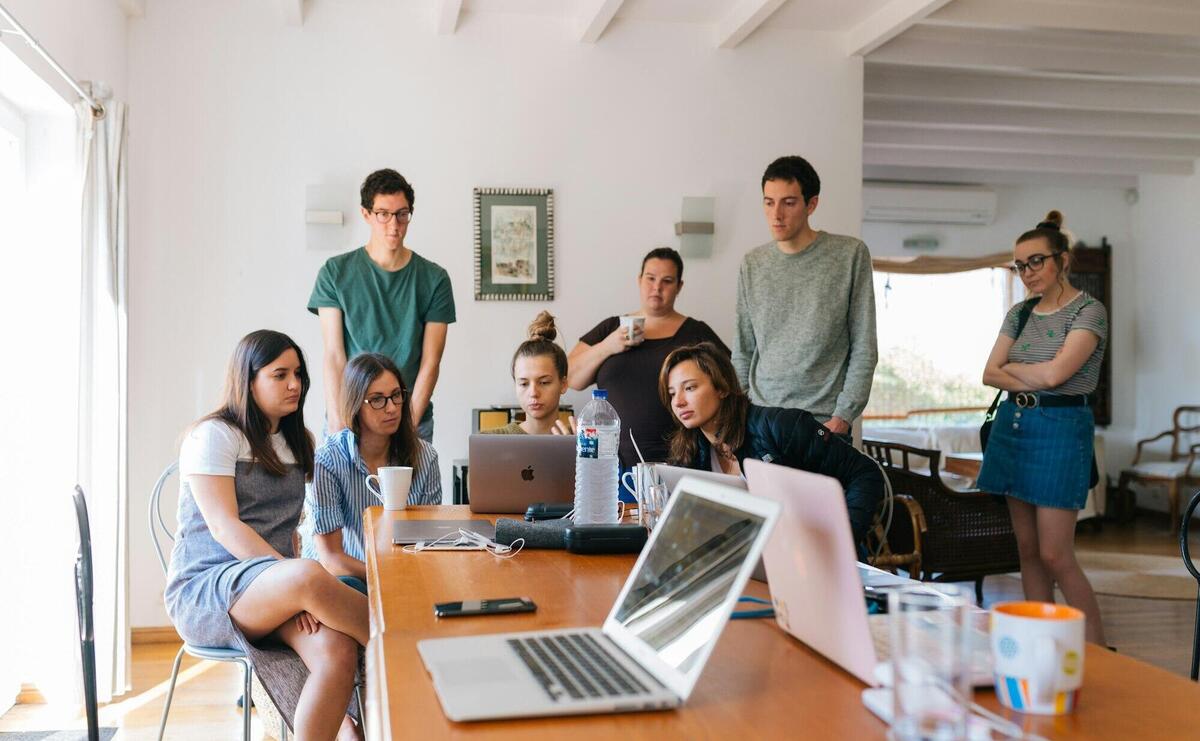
<point x="587" y="444"/>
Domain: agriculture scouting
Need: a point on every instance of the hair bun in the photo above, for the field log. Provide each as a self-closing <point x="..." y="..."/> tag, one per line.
<point x="1053" y="220"/>
<point x="542" y="327"/>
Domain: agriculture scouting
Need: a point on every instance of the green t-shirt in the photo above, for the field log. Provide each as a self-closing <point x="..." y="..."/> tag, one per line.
<point x="382" y="311"/>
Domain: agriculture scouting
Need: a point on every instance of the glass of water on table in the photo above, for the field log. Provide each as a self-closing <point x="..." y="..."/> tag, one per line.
<point x="930" y="628"/>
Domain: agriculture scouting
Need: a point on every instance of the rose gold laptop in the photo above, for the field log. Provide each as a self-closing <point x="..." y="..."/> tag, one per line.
<point x="814" y="576"/>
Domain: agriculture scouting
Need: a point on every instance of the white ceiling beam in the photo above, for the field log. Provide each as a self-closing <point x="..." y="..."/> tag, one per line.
<point x="1027" y="162"/>
<point x="133" y="8"/>
<point x="896" y="173"/>
<point x="1003" y="118"/>
<point x="743" y="20"/>
<point x="292" y="12"/>
<point x="887" y="23"/>
<point x="595" y="17"/>
<point x="1135" y="17"/>
<point x="888" y="82"/>
<point x="904" y="137"/>
<point x="1009" y="51"/>
<point x="447" y="16"/>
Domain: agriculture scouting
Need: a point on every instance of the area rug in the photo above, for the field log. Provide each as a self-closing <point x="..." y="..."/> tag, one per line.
<point x="77" y="735"/>
<point x="1137" y="575"/>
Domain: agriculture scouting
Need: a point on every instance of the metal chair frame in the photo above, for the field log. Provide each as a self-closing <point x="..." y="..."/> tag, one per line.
<point x="159" y="529"/>
<point x="83" y="602"/>
<point x="1186" y="551"/>
<point x="159" y="525"/>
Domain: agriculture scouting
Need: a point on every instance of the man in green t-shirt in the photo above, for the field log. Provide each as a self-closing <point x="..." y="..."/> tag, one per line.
<point x="384" y="298"/>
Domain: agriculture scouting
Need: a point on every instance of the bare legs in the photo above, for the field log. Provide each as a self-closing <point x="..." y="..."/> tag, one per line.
<point x="1046" y="544"/>
<point x="270" y="605"/>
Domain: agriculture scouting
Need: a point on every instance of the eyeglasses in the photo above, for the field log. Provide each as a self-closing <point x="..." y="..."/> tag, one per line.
<point x="1034" y="264"/>
<point x="381" y="401"/>
<point x="404" y="216"/>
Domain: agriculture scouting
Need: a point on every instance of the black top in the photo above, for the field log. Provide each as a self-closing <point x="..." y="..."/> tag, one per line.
<point x="794" y="438"/>
<point x="631" y="379"/>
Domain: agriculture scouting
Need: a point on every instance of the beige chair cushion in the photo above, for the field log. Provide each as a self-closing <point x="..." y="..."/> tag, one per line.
<point x="1163" y="469"/>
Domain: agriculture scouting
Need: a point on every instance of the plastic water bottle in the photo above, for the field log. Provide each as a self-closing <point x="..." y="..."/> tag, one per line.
<point x="598" y="431"/>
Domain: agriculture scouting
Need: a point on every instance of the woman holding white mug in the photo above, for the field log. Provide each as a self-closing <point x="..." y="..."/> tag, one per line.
<point x="380" y="435"/>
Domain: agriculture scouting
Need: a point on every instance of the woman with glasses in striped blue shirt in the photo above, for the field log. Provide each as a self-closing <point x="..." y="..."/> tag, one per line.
<point x="374" y="403"/>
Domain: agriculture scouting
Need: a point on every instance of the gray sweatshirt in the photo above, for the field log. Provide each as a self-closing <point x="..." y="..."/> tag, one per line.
<point x="805" y="335"/>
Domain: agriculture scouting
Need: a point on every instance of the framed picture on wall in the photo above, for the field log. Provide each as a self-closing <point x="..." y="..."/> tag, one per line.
<point x="514" y="244"/>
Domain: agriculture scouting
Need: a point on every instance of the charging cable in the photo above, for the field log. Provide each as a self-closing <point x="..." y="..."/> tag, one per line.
<point x="471" y="539"/>
<point x="755" y="613"/>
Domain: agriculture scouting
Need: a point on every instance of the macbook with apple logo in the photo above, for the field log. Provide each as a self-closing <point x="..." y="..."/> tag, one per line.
<point x="507" y="473"/>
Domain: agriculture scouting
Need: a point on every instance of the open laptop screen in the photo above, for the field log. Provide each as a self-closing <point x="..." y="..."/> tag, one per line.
<point x="674" y="601"/>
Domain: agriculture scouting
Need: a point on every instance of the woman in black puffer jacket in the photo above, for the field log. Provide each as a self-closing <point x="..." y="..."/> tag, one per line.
<point x="717" y="428"/>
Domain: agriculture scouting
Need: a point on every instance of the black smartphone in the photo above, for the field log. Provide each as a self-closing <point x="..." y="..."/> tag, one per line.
<point x="501" y="606"/>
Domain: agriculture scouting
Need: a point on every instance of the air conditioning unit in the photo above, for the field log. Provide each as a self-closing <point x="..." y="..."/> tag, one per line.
<point x="928" y="204"/>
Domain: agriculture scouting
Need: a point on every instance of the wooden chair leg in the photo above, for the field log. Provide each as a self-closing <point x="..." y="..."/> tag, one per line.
<point x="1173" y="505"/>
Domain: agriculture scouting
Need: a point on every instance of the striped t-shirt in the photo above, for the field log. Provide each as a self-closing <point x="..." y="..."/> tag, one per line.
<point x="1044" y="335"/>
<point x="338" y="493"/>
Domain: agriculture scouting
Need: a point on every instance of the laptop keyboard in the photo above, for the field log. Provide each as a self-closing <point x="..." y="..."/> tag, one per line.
<point x="575" y="666"/>
<point x="978" y="645"/>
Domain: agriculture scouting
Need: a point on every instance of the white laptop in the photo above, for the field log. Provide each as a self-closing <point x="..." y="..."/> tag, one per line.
<point x="657" y="637"/>
<point x="816" y="587"/>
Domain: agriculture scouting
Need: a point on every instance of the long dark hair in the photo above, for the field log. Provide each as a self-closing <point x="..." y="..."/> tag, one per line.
<point x="362" y="370"/>
<point x="238" y="409"/>
<point x="731" y="415"/>
<point x="540" y="342"/>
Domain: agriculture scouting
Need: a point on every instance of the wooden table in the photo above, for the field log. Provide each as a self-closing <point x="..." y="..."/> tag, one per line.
<point x="759" y="682"/>
<point x="966" y="465"/>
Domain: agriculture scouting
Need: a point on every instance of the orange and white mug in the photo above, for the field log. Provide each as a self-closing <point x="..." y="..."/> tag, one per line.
<point x="1037" y="649"/>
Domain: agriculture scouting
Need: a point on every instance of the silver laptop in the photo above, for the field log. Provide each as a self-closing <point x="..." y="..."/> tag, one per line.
<point x="811" y="561"/>
<point x="657" y="637"/>
<point x="507" y="473"/>
<point x="672" y="475"/>
<point x="424" y="532"/>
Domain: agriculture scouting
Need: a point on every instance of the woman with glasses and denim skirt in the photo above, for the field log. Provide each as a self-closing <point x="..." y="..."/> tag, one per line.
<point x="374" y="402"/>
<point x="1039" y="452"/>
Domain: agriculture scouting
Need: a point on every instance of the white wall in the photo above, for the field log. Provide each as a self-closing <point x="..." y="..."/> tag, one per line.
<point x="1091" y="213"/>
<point x="1167" y="345"/>
<point x="234" y="114"/>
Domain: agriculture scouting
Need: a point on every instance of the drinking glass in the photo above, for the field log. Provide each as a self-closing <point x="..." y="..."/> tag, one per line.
<point x="930" y="662"/>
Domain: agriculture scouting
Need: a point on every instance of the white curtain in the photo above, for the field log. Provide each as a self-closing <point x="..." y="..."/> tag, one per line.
<point x="103" y="333"/>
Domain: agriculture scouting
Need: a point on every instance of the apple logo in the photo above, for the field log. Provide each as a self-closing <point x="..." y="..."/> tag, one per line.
<point x="527" y="473"/>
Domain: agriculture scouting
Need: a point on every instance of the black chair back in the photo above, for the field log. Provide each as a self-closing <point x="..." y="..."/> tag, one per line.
<point x="1185" y="549"/>
<point x="83" y="604"/>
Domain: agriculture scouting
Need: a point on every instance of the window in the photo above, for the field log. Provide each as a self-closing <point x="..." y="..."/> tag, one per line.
<point x="935" y="333"/>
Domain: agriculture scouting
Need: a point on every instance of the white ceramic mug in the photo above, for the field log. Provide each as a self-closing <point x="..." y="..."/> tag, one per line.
<point x="394" y="483"/>
<point x="632" y="323"/>
<point x="1037" y="648"/>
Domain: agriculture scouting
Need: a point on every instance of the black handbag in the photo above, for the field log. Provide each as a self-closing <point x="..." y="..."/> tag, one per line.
<point x="985" y="429"/>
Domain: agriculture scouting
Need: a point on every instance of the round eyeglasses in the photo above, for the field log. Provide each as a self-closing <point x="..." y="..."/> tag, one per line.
<point x="1033" y="265"/>
<point x="404" y="215"/>
<point x="381" y="401"/>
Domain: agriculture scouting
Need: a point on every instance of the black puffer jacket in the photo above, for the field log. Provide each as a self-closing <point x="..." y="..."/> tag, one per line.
<point x="794" y="438"/>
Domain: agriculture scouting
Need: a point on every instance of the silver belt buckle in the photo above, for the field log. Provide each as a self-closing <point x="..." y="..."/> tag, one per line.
<point x="1026" y="399"/>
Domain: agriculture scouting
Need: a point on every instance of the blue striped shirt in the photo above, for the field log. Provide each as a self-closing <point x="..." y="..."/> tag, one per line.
<point x="338" y="493"/>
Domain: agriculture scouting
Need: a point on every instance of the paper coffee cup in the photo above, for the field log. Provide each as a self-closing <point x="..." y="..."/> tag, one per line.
<point x="630" y="323"/>
<point x="1037" y="649"/>
<point x="394" y="483"/>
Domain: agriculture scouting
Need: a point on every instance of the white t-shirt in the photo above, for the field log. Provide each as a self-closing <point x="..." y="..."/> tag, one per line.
<point x="213" y="448"/>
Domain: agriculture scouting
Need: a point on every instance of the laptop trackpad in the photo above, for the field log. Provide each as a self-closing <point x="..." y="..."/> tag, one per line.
<point x="483" y="670"/>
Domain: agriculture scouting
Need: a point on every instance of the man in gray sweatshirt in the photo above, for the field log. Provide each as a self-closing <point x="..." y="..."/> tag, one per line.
<point x="805" y="335"/>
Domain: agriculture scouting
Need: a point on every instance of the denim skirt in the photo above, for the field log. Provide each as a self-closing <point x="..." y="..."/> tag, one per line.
<point x="1041" y="455"/>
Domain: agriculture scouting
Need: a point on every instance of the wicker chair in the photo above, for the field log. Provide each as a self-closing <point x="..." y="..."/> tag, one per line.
<point x="956" y="535"/>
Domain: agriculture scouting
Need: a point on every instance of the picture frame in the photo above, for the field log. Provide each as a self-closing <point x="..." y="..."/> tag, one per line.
<point x="514" y="244"/>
